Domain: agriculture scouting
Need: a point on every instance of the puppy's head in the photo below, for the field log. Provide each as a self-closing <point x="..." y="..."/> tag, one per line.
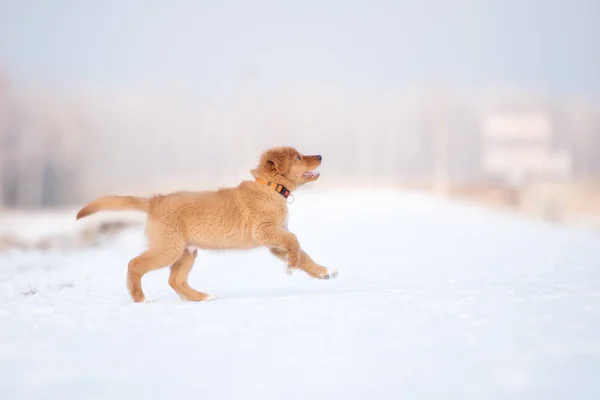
<point x="285" y="165"/>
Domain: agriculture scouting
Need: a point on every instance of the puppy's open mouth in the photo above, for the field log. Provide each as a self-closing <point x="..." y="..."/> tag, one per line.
<point x="311" y="174"/>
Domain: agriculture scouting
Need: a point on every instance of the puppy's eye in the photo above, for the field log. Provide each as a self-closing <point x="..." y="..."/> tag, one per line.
<point x="298" y="157"/>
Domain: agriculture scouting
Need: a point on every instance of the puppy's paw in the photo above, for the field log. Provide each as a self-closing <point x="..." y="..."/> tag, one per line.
<point x="331" y="274"/>
<point x="289" y="269"/>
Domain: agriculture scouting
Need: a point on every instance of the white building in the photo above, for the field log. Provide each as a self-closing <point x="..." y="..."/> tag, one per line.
<point x="519" y="146"/>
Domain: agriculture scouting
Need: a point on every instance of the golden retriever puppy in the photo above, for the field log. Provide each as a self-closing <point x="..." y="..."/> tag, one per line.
<point x="250" y="215"/>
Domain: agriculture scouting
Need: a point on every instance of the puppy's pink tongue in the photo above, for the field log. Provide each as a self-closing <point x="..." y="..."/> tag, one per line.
<point x="310" y="174"/>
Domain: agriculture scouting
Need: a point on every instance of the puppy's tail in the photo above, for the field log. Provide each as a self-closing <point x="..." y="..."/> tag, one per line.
<point x="115" y="203"/>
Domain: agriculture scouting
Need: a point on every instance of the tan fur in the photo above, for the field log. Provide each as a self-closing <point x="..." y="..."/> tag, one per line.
<point x="114" y="203"/>
<point x="243" y="217"/>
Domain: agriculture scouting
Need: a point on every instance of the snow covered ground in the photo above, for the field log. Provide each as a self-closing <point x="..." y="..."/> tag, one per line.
<point x="433" y="301"/>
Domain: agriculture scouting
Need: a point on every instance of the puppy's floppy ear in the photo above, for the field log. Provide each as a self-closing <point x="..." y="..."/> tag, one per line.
<point x="280" y="159"/>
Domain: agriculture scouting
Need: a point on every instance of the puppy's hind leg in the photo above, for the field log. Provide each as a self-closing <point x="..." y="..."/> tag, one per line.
<point x="178" y="279"/>
<point x="149" y="260"/>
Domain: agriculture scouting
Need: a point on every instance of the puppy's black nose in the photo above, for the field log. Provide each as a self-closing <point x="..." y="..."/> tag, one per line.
<point x="319" y="157"/>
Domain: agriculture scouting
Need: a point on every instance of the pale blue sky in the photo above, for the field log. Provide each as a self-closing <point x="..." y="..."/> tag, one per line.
<point x="218" y="45"/>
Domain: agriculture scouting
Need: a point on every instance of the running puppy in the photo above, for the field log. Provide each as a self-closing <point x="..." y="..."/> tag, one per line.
<point x="250" y="215"/>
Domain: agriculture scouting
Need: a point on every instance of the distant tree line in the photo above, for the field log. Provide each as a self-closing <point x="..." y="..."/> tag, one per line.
<point x="58" y="149"/>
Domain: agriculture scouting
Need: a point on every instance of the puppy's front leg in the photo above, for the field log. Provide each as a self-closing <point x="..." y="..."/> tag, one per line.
<point x="313" y="269"/>
<point x="275" y="237"/>
<point x="307" y="265"/>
